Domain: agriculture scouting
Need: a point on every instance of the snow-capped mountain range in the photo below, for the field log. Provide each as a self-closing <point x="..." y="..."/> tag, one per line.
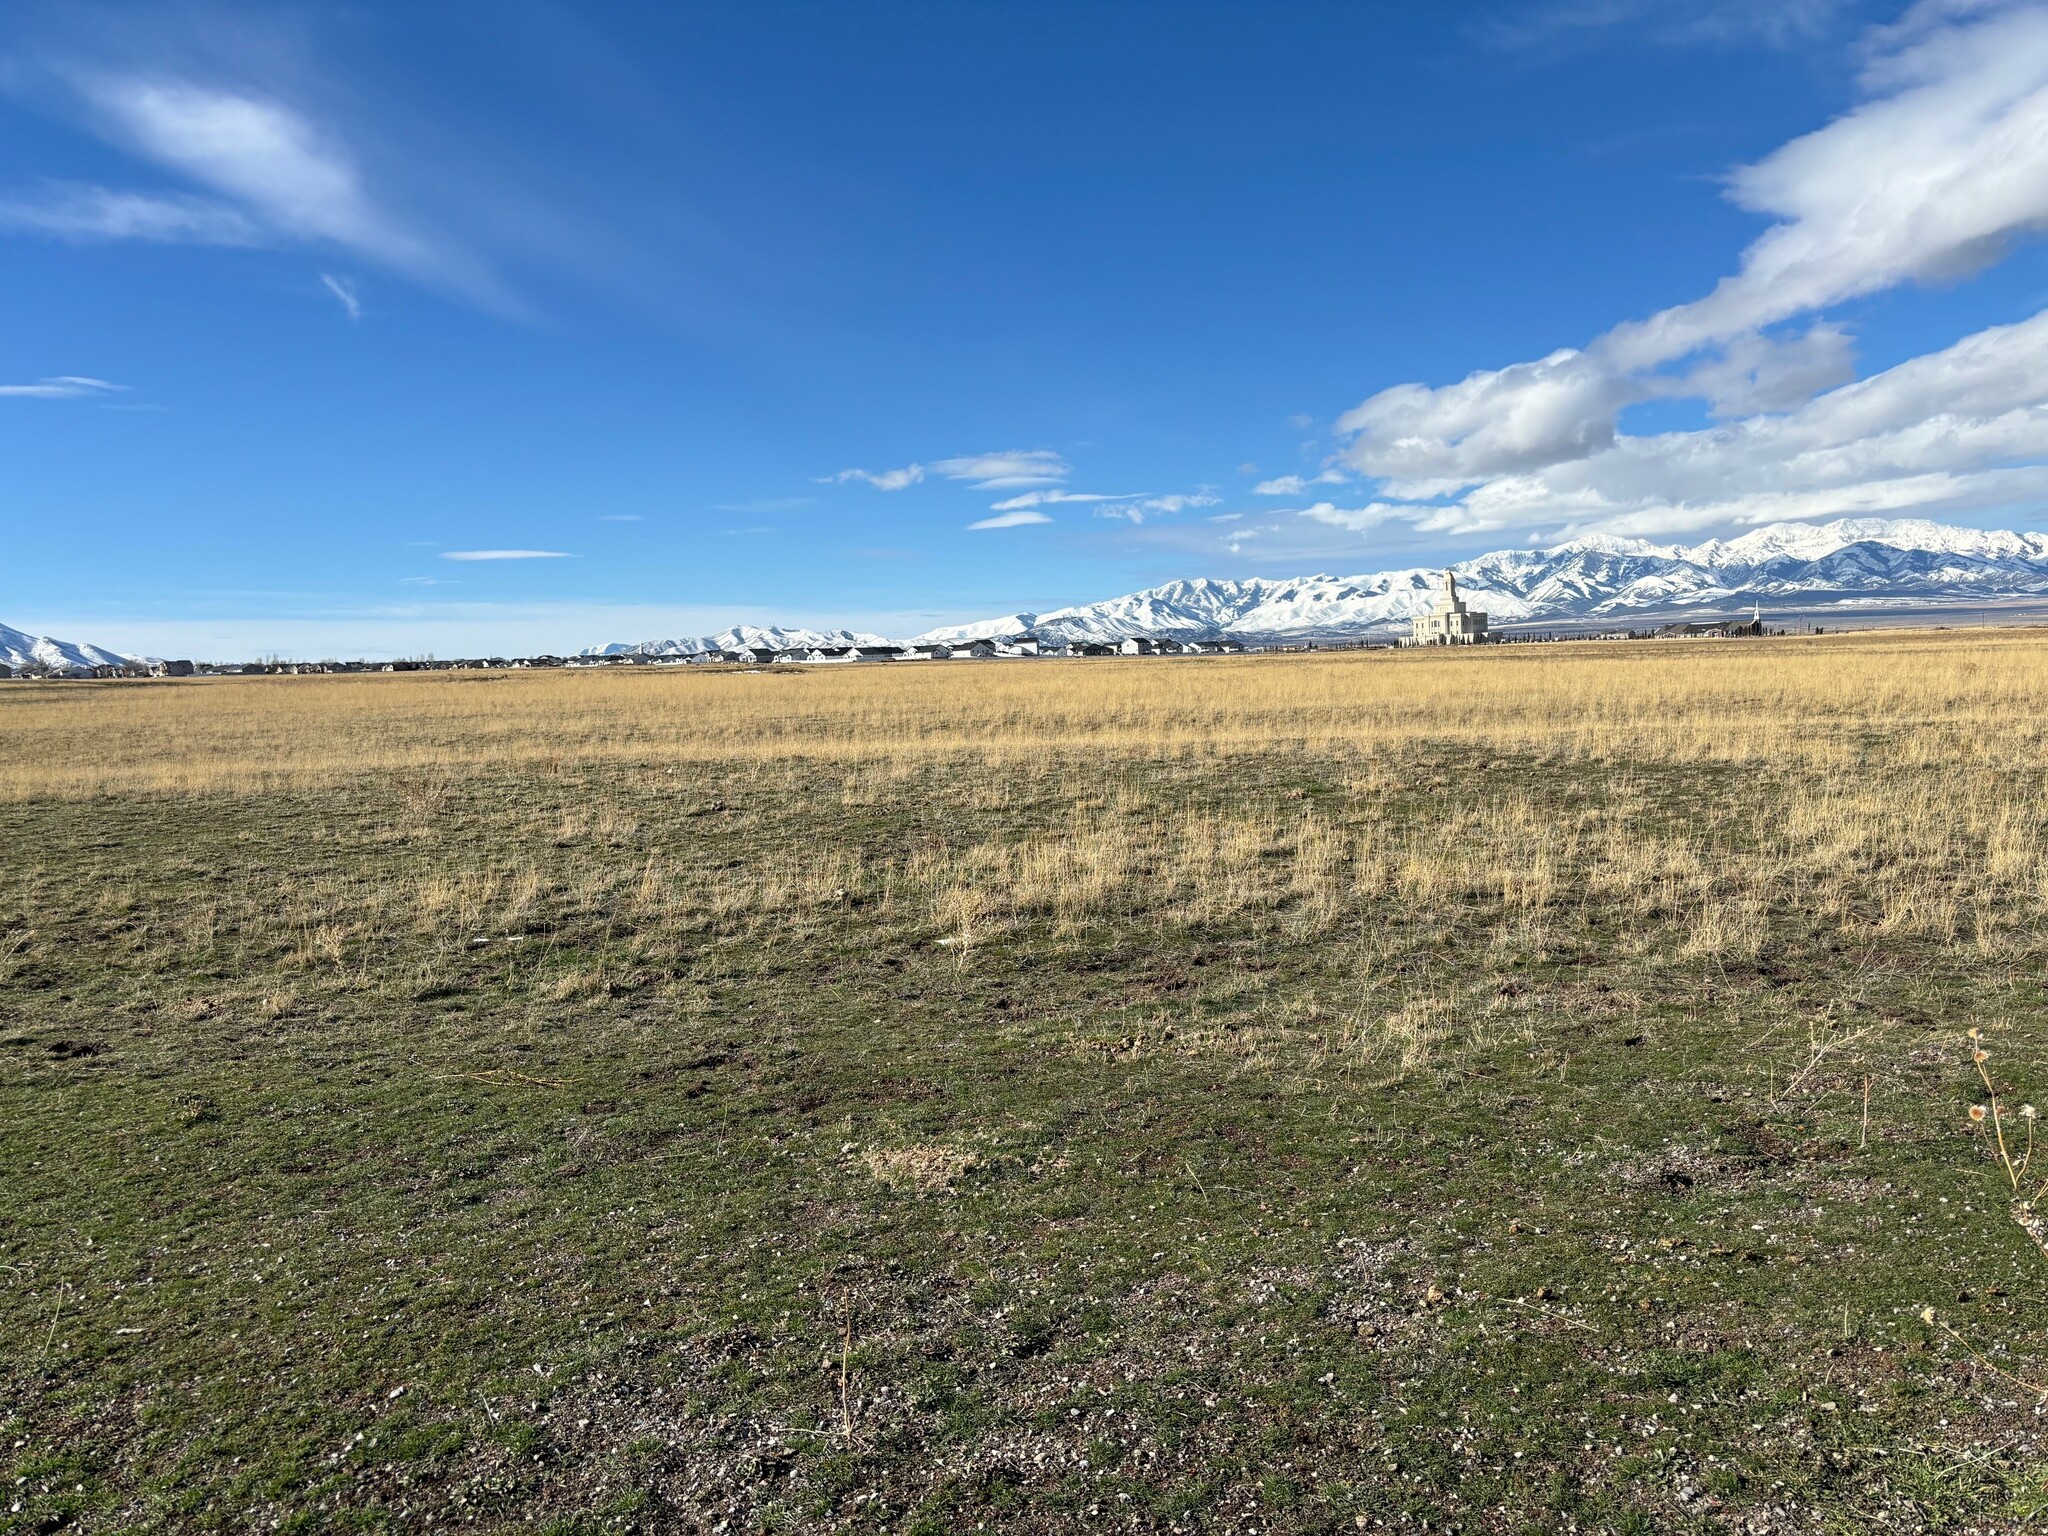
<point x="742" y="637"/>
<point x="1862" y="561"/>
<point x="18" y="650"/>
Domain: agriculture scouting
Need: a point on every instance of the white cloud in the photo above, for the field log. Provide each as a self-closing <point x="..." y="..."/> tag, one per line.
<point x="1054" y="498"/>
<point x="1356" y="519"/>
<point x="64" y="386"/>
<point x="75" y="212"/>
<point x="504" y="554"/>
<point x="1295" y="485"/>
<point x="344" y="292"/>
<point x="881" y="480"/>
<point x="1017" y="467"/>
<point x="984" y="471"/>
<point x="1941" y="166"/>
<point x="1493" y="422"/>
<point x="1929" y="180"/>
<point x="1179" y="502"/>
<point x="262" y="155"/>
<point x="1020" y="519"/>
<point x="260" y="171"/>
<point x="1753" y="374"/>
<point x="1950" y="431"/>
<point x="1140" y="509"/>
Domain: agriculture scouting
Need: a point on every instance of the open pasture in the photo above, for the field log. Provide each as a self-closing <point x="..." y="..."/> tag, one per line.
<point x="1521" y="1090"/>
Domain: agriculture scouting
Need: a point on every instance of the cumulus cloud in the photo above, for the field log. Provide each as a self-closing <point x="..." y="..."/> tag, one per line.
<point x="1493" y="422"/>
<point x="65" y="386"/>
<point x="1019" y="519"/>
<point x="1939" y="168"/>
<point x="1953" y="430"/>
<point x="504" y="554"/>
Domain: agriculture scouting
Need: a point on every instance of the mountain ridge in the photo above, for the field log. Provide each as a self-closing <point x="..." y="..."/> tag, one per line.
<point x="1588" y="579"/>
<point x="20" y="649"/>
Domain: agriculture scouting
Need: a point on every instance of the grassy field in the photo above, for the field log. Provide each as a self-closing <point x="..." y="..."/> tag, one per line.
<point x="1513" y="1091"/>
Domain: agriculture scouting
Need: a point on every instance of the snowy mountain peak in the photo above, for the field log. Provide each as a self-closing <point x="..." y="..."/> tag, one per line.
<point x="1852" y="559"/>
<point x="741" y="637"/>
<point x="19" y="649"/>
<point x="1816" y="541"/>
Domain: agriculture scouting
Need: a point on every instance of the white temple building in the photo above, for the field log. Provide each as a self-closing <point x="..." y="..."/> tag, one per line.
<point x="1450" y="622"/>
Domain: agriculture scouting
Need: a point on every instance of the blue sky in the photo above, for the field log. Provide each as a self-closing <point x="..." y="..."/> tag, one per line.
<point x="309" y="301"/>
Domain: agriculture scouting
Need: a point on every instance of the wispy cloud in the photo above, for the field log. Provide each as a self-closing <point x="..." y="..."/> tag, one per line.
<point x="620" y="517"/>
<point x="1141" y="509"/>
<point x="1179" y="501"/>
<point x="64" y="386"/>
<point x="880" y="479"/>
<point x="258" y="170"/>
<point x="1769" y="23"/>
<point x="266" y="158"/>
<point x="344" y="292"/>
<point x="1295" y="485"/>
<point x="71" y="211"/>
<point x="1131" y="506"/>
<point x="765" y="504"/>
<point x="1019" y="519"/>
<point x="1055" y="498"/>
<point x="1356" y="519"/>
<point x="504" y="554"/>
<point x="984" y="471"/>
<point x="1017" y="467"/>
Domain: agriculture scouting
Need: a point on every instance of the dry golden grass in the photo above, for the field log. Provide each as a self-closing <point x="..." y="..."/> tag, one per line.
<point x="1883" y="784"/>
<point x="1931" y="698"/>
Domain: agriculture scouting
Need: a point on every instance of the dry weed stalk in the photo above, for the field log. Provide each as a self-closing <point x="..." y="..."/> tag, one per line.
<point x="1990" y="1119"/>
